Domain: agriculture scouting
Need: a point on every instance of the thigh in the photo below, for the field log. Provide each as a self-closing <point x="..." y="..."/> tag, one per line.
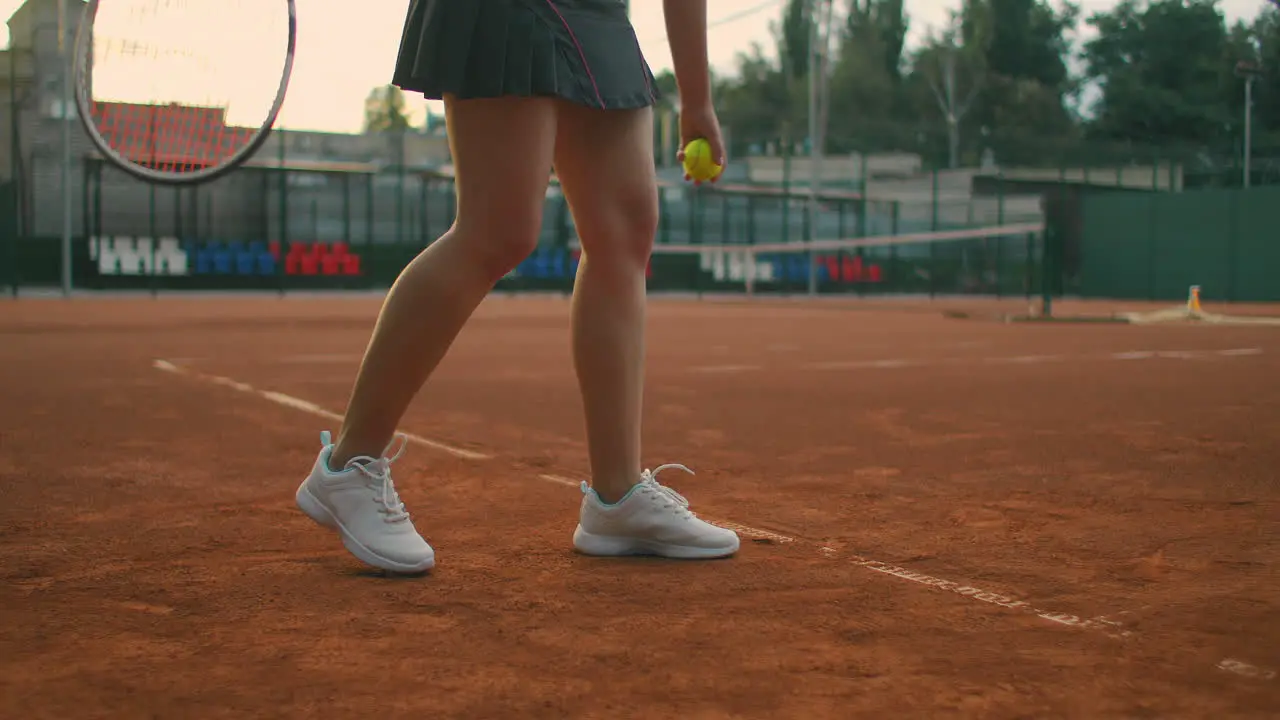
<point x="502" y="152"/>
<point x="604" y="160"/>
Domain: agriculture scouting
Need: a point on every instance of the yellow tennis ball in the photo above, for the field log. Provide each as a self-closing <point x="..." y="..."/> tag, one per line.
<point x="698" y="163"/>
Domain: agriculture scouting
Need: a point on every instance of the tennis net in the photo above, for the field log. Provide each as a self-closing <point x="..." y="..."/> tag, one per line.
<point x="1002" y="260"/>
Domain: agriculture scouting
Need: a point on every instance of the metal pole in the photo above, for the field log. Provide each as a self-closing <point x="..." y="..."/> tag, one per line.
<point x="15" y="182"/>
<point x="65" y="170"/>
<point x="1248" y="126"/>
<point x="814" y="159"/>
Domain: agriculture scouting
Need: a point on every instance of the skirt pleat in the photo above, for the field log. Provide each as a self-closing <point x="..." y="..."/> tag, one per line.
<point x="584" y="51"/>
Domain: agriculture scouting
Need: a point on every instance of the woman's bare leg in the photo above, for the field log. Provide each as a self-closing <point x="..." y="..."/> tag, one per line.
<point x="604" y="160"/>
<point x="502" y="154"/>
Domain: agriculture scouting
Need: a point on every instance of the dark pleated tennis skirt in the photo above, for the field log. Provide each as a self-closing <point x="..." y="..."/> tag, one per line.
<point x="583" y="51"/>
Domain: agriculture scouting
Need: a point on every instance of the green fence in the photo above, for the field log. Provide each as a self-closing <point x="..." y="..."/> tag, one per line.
<point x="1155" y="246"/>
<point x="9" y="237"/>
<point x="349" y="226"/>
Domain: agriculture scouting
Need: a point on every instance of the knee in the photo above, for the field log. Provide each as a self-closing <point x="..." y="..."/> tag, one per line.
<point x="501" y="239"/>
<point x="623" y="234"/>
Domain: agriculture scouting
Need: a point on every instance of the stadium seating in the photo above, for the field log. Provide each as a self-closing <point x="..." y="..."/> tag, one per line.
<point x="137" y="256"/>
<point x="171" y="257"/>
<point x="554" y="264"/>
<point x="849" y="269"/>
<point x="309" y="259"/>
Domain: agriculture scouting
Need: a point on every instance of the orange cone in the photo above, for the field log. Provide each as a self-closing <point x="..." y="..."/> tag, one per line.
<point x="1193" y="300"/>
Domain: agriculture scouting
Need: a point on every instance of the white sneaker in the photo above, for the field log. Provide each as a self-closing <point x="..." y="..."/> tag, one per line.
<point x="361" y="503"/>
<point x="651" y="519"/>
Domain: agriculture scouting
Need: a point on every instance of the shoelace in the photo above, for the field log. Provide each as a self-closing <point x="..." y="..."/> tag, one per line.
<point x="675" y="501"/>
<point x="649" y="484"/>
<point x="378" y="470"/>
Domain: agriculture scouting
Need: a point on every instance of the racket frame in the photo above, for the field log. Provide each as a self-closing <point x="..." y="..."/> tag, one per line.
<point x="84" y="105"/>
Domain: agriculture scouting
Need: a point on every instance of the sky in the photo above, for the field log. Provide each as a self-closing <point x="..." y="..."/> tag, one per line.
<point x="329" y="84"/>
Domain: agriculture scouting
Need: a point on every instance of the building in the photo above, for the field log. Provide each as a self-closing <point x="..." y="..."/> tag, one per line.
<point x="109" y="202"/>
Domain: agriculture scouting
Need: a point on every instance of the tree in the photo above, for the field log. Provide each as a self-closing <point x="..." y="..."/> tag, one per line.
<point x="947" y="76"/>
<point x="385" y="110"/>
<point x="877" y="27"/>
<point x="757" y="104"/>
<point x="793" y="38"/>
<point x="1019" y="50"/>
<point x="1162" y="70"/>
<point x="865" y="87"/>
<point x="1265" y="34"/>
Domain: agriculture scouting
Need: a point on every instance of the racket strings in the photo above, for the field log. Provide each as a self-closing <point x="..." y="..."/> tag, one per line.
<point x="182" y="85"/>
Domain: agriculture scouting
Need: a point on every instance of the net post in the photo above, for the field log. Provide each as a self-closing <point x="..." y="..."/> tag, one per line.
<point x="1028" y="271"/>
<point x="933" y="201"/>
<point x="1048" y="260"/>
<point x="933" y="269"/>
<point x="1000" y="196"/>
<point x="999" y="267"/>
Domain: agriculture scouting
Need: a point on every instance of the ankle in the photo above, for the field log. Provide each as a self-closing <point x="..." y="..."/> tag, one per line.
<point x="611" y="493"/>
<point x="343" y="454"/>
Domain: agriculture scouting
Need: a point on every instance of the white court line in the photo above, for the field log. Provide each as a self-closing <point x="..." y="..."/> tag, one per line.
<point x="308" y="407"/>
<point x="1240" y="667"/>
<point x="895" y="363"/>
<point x="319" y="358"/>
<point x="1100" y="623"/>
<point x="1026" y="359"/>
<point x="725" y="368"/>
<point x="861" y="364"/>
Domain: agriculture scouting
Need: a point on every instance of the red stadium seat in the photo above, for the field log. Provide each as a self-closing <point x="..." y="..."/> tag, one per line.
<point x="331" y="258"/>
<point x="304" y="259"/>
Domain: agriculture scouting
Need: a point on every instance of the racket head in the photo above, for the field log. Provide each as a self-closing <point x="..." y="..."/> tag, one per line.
<point x="159" y="140"/>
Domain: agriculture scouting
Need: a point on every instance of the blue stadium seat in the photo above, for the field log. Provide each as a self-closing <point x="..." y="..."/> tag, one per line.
<point x="223" y="257"/>
<point x="262" y="261"/>
<point x="797" y="268"/>
<point x="532" y="265"/>
<point x="206" y="258"/>
<point x="556" y="265"/>
<point x="245" y="259"/>
<point x="540" y="265"/>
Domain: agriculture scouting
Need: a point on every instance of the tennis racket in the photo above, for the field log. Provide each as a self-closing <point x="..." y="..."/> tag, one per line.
<point x="180" y="92"/>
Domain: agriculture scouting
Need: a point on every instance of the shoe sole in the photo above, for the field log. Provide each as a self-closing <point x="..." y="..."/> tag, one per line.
<point x="314" y="509"/>
<point x="614" y="546"/>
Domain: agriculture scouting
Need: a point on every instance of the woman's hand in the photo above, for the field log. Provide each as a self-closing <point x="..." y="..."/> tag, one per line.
<point x="700" y="122"/>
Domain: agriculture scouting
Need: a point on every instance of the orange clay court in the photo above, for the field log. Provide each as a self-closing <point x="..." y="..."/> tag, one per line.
<point x="941" y="517"/>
